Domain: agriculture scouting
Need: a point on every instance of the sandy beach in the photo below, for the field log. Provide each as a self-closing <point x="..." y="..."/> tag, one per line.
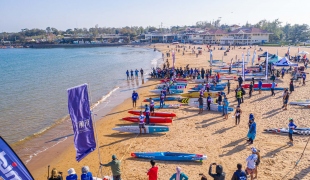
<point x="190" y="132"/>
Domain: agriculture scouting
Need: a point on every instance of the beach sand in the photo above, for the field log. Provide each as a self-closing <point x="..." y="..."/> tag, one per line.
<point x="209" y="134"/>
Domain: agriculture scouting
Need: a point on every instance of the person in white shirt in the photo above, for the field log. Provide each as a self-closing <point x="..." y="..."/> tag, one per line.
<point x="251" y="160"/>
<point x="141" y="123"/>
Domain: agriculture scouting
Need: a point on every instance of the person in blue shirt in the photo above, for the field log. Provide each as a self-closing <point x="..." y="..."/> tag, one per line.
<point x="304" y="78"/>
<point x="131" y="73"/>
<point x="291" y="127"/>
<point x="86" y="175"/>
<point x="136" y="73"/>
<point x="273" y="85"/>
<point x="134" y="97"/>
<point x="127" y="73"/>
<point x="179" y="175"/>
<point x="225" y="107"/>
<point x="162" y="100"/>
<point x="260" y="85"/>
<point x="71" y="174"/>
<point x="252" y="129"/>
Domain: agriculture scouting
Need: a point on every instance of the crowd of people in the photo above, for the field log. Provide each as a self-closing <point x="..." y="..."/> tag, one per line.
<point x="134" y="73"/>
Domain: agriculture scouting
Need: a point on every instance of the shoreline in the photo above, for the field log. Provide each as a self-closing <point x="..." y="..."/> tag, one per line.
<point x="208" y="134"/>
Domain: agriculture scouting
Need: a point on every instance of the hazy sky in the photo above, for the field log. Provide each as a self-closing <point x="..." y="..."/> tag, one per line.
<point x="65" y="14"/>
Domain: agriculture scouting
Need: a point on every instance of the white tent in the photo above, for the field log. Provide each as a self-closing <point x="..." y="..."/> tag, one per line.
<point x="285" y="62"/>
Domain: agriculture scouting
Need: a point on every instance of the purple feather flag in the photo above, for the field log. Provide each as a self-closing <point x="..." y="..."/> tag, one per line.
<point x="79" y="110"/>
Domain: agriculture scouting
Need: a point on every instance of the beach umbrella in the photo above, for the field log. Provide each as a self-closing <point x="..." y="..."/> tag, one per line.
<point x="253" y="58"/>
<point x="303" y="52"/>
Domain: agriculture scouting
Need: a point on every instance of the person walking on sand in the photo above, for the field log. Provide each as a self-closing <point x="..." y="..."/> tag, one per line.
<point x="239" y="174"/>
<point x="162" y="100"/>
<point x="291" y="86"/>
<point x="273" y="85"/>
<point x="251" y="160"/>
<point x="152" y="104"/>
<point x="250" y="89"/>
<point x="142" y="123"/>
<point x="291" y="127"/>
<point x="252" y="129"/>
<point x="127" y="73"/>
<point x="115" y="165"/>
<point x="200" y="101"/>
<point x="153" y="171"/>
<point x="131" y="74"/>
<point x="239" y="96"/>
<point x="238" y="113"/>
<point x="209" y="100"/>
<point x="141" y="72"/>
<point x="179" y="175"/>
<point x="285" y="100"/>
<point x="134" y="98"/>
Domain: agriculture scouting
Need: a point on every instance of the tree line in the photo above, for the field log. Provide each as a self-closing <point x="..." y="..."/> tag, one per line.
<point x="281" y="33"/>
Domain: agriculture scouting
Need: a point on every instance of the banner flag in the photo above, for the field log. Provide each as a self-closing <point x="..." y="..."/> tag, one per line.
<point x="79" y="110"/>
<point x="11" y="167"/>
<point x="253" y="58"/>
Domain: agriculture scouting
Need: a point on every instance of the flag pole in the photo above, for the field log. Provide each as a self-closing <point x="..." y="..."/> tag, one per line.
<point x="95" y="127"/>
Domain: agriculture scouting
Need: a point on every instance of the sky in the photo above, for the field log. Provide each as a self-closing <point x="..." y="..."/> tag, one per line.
<point x="68" y="14"/>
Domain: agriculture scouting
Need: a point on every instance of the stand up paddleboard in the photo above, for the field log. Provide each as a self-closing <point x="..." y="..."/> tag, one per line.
<point x="156" y="113"/>
<point x="169" y="156"/>
<point x="136" y="129"/>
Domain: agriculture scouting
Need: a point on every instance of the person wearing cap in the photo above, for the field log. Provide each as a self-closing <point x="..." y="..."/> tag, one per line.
<point x="239" y="174"/>
<point x="291" y="127"/>
<point x="152" y="173"/>
<point x="86" y="175"/>
<point x="115" y="167"/>
<point x="179" y="175"/>
<point x="252" y="129"/>
<point x="134" y="97"/>
<point x="71" y="174"/>
<point x="251" y="160"/>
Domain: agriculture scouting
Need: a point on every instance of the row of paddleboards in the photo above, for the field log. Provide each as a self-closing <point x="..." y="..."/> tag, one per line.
<point x="300" y="131"/>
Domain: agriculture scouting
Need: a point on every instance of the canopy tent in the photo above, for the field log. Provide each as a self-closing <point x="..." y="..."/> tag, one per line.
<point x="273" y="59"/>
<point x="303" y="52"/>
<point x="265" y="54"/>
<point x="284" y="62"/>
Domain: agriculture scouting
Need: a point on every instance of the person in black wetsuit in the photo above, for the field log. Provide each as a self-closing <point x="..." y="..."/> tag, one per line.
<point x="220" y="175"/>
<point x="240" y="81"/>
<point x="238" y="113"/>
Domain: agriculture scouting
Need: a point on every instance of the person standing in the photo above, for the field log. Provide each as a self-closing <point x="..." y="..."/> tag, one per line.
<point x="200" y="101"/>
<point x="273" y="85"/>
<point x="147" y="114"/>
<point x="207" y="76"/>
<point x="252" y="130"/>
<point x="242" y="94"/>
<point x="228" y="87"/>
<point x="141" y="72"/>
<point x="225" y="107"/>
<point x="209" y="100"/>
<point x="291" y="86"/>
<point x="239" y="174"/>
<point x="239" y="96"/>
<point x="257" y="163"/>
<point x="250" y="89"/>
<point x="152" y="104"/>
<point x="127" y="73"/>
<point x="208" y="86"/>
<point x="115" y="167"/>
<point x="220" y="175"/>
<point x="179" y="175"/>
<point x="260" y="85"/>
<point x="71" y="174"/>
<point x="142" y="123"/>
<point x="285" y="100"/>
<point x="134" y="98"/>
<point x="131" y="74"/>
<point x="240" y="81"/>
<point x="238" y="113"/>
<point x="152" y="173"/>
<point x="291" y="127"/>
<point x="203" y="73"/>
<point x="304" y="78"/>
<point x="251" y="160"/>
<point x="219" y="98"/>
<point x="136" y="73"/>
<point x="162" y="100"/>
<point x="282" y="72"/>
<point x="86" y="174"/>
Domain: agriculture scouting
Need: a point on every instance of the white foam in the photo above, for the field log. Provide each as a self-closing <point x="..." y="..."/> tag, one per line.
<point x="103" y="98"/>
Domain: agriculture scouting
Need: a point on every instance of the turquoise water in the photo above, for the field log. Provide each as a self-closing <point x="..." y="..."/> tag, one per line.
<point x="33" y="92"/>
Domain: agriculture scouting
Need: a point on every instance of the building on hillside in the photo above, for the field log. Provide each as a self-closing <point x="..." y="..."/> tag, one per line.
<point x="158" y="37"/>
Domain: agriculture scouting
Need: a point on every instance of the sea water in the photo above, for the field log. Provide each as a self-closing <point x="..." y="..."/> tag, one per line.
<point x="34" y="83"/>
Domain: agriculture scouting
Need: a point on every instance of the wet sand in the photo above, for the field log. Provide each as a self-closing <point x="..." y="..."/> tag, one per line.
<point x="222" y="141"/>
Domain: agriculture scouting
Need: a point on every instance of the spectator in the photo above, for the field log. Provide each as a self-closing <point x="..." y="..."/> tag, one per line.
<point x="134" y="97"/>
<point x="240" y="81"/>
<point x="115" y="167"/>
<point x="220" y="175"/>
<point x="71" y="174"/>
<point x="152" y="173"/>
<point x="239" y="174"/>
<point x="251" y="160"/>
<point x="55" y="175"/>
<point x="179" y="175"/>
<point x="86" y="175"/>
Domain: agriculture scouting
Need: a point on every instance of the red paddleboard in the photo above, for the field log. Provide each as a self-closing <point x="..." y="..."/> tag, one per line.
<point x="158" y="114"/>
<point x="265" y="85"/>
<point x="152" y="119"/>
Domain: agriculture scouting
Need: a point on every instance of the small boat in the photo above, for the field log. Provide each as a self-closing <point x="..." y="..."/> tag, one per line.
<point x="169" y="156"/>
<point x="135" y="129"/>
<point x="168" y="98"/>
<point x="269" y="89"/>
<point x="156" y="113"/>
<point x="153" y="119"/>
<point x="306" y="101"/>
<point x="264" y="85"/>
